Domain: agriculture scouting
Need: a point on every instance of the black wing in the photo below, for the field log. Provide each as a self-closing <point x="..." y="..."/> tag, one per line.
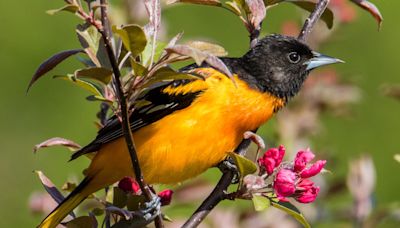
<point x="160" y="105"/>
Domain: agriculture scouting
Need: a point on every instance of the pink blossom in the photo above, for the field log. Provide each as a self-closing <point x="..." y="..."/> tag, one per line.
<point x="284" y="183"/>
<point x="301" y="160"/>
<point x="166" y="196"/>
<point x="271" y="159"/>
<point x="308" y="195"/>
<point x="128" y="184"/>
<point x="314" y="169"/>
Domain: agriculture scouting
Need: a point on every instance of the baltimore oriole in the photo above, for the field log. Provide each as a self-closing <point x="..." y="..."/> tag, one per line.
<point x="190" y="125"/>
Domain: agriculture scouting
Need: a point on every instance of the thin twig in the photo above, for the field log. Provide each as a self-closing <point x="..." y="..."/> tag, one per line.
<point x="312" y="19"/>
<point x="123" y="107"/>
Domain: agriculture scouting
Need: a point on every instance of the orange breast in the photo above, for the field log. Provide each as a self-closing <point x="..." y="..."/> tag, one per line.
<point x="189" y="141"/>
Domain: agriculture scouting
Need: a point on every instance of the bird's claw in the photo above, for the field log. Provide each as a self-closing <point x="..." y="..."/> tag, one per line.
<point x="152" y="208"/>
<point x="229" y="165"/>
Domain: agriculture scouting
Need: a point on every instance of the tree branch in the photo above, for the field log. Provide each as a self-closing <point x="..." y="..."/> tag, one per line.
<point x="105" y="33"/>
<point x="219" y="192"/>
<point x="312" y="19"/>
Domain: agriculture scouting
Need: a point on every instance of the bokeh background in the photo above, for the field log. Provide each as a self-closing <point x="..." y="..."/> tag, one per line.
<point x="56" y="108"/>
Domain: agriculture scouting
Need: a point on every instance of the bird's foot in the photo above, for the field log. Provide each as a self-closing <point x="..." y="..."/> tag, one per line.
<point x="229" y="165"/>
<point x="152" y="208"/>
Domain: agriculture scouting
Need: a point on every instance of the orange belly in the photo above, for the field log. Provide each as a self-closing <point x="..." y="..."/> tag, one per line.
<point x="189" y="141"/>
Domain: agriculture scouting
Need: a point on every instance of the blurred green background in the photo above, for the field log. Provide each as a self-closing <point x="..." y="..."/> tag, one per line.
<point x="56" y="108"/>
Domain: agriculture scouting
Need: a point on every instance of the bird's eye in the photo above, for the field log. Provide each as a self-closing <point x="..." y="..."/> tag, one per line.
<point x="294" y="57"/>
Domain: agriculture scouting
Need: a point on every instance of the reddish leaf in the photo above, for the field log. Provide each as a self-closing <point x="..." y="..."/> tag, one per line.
<point x="56" y="142"/>
<point x="371" y="8"/>
<point x="200" y="2"/>
<point x="52" y="62"/>
<point x="257" y="12"/>
<point x="51" y="189"/>
<point x="219" y="65"/>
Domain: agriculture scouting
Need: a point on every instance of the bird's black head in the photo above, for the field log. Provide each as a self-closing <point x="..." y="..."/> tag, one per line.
<point x="279" y="64"/>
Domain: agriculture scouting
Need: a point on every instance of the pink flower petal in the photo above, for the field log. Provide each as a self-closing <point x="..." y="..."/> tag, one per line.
<point x="128" y="184"/>
<point x="301" y="160"/>
<point x="304" y="185"/>
<point x="308" y="196"/>
<point x="313" y="170"/>
<point x="166" y="196"/>
<point x="284" y="183"/>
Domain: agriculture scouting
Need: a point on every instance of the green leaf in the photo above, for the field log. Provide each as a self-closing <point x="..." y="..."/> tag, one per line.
<point x="327" y="16"/>
<point x="168" y="74"/>
<point x="260" y="202"/>
<point x="133" y="38"/>
<point x="99" y="98"/>
<point x="67" y="8"/>
<point x="146" y="54"/>
<point x="134" y="202"/>
<point x="199" y="2"/>
<point x="244" y="165"/>
<point x="233" y="7"/>
<point x="89" y="39"/>
<point x="291" y="210"/>
<point x="100" y="74"/>
<point x="210" y="48"/>
<point x="50" y="63"/>
<point x="119" y="197"/>
<point x="89" y="86"/>
<point x="138" y="69"/>
<point x="81" y="222"/>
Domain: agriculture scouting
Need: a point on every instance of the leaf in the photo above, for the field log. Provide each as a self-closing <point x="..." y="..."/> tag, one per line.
<point x="57" y="141"/>
<point x="81" y="222"/>
<point x="200" y="2"/>
<point x="116" y="210"/>
<point x="185" y="50"/>
<point x="174" y="40"/>
<point x="146" y="54"/>
<point x="327" y="15"/>
<point x="91" y="87"/>
<point x="256" y="13"/>
<point x="168" y="74"/>
<point x="50" y="63"/>
<point x="153" y="8"/>
<point x="244" y="165"/>
<point x="371" y="8"/>
<point x="119" y="197"/>
<point x="219" y="65"/>
<point x="232" y="6"/>
<point x="260" y="202"/>
<point x="291" y="210"/>
<point x="138" y="69"/>
<point x="89" y="40"/>
<point x="99" y="98"/>
<point x="100" y="74"/>
<point x="51" y="189"/>
<point x="68" y="8"/>
<point x="135" y="201"/>
<point x="213" y="49"/>
<point x="133" y="38"/>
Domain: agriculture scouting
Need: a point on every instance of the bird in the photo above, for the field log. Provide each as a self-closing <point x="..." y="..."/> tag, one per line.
<point x="190" y="125"/>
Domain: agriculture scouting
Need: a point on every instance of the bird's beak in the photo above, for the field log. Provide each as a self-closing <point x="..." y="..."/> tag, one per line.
<point x="320" y="60"/>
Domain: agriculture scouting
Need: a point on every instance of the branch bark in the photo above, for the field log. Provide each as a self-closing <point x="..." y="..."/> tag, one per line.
<point x="219" y="192"/>
<point x="124" y="114"/>
<point x="312" y="19"/>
